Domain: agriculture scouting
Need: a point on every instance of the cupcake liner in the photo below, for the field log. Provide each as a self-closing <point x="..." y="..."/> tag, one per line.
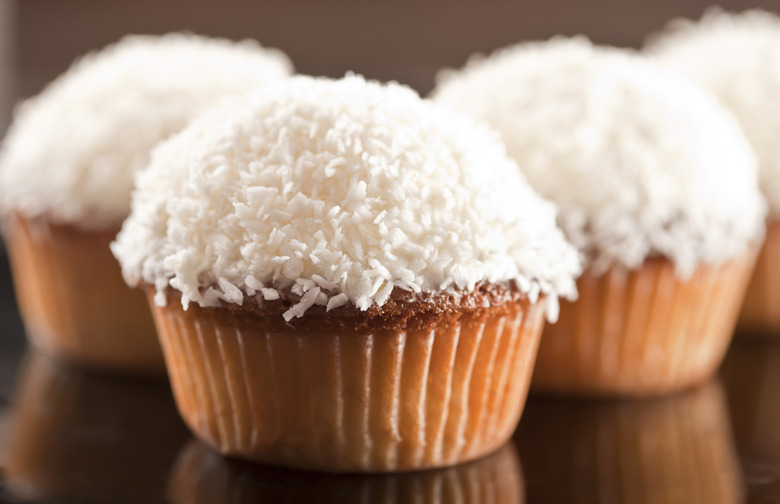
<point x="201" y="477"/>
<point x="73" y="299"/>
<point x="760" y="315"/>
<point x="672" y="449"/>
<point x="349" y="401"/>
<point x="87" y="437"/>
<point x="642" y="331"/>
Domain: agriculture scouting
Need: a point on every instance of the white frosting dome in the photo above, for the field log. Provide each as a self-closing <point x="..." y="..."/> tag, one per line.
<point x="338" y="191"/>
<point x="639" y="160"/>
<point x="737" y="56"/>
<point x="71" y="150"/>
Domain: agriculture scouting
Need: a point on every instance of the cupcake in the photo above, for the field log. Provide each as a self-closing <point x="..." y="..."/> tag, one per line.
<point x="656" y="186"/>
<point x="66" y="173"/>
<point x="345" y="277"/>
<point x="737" y="57"/>
<point x="203" y="477"/>
<point x="78" y="436"/>
<point x="672" y="449"/>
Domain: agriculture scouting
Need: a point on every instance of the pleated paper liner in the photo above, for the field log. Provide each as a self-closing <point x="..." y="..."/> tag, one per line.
<point x="760" y="315"/>
<point x="659" y="450"/>
<point x="78" y="436"/>
<point x="203" y="477"/>
<point x="73" y="299"/>
<point x="642" y="331"/>
<point x="345" y="401"/>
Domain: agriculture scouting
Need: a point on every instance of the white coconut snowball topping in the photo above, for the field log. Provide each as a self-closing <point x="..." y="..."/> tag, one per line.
<point x="640" y="161"/>
<point x="71" y="151"/>
<point x="333" y="192"/>
<point x="737" y="56"/>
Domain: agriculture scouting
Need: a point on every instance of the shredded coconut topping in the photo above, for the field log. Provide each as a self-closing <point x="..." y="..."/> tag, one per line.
<point x="328" y="192"/>
<point x="71" y="150"/>
<point x="737" y="56"/>
<point x="640" y="161"/>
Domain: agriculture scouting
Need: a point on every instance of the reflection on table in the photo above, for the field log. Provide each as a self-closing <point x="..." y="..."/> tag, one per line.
<point x="202" y="476"/>
<point x="675" y="449"/>
<point x="751" y="374"/>
<point x="78" y="436"/>
<point x="88" y="437"/>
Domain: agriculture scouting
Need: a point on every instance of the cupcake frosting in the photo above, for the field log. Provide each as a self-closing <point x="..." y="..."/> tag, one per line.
<point x="71" y="151"/>
<point x="328" y="192"/>
<point x="737" y="56"/>
<point x="640" y="161"/>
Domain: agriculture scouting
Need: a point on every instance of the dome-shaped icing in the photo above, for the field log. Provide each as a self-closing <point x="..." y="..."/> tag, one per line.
<point x="338" y="191"/>
<point x="737" y="57"/>
<point x="71" y="150"/>
<point x="639" y="160"/>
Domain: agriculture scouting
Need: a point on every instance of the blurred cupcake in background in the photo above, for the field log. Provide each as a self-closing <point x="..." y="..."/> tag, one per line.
<point x="655" y="184"/>
<point x="737" y="57"/>
<point x="201" y="476"/>
<point x="77" y="436"/>
<point x="675" y="449"/>
<point x="345" y="277"/>
<point x="66" y="173"/>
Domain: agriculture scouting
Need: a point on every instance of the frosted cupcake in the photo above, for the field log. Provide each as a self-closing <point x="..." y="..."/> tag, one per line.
<point x="66" y="173"/>
<point x="656" y="185"/>
<point x="345" y="277"/>
<point x="737" y="56"/>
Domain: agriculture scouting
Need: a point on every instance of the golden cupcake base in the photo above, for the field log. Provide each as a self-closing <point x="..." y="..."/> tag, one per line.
<point x="73" y="299"/>
<point x="760" y="315"/>
<point x="642" y="331"/>
<point x="346" y="400"/>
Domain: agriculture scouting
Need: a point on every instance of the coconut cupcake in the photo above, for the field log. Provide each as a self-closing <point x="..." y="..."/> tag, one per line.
<point x="656" y="185"/>
<point x="345" y="277"/>
<point x="66" y="173"/>
<point x="737" y="56"/>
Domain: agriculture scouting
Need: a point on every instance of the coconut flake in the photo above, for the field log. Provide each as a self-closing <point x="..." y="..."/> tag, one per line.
<point x="639" y="160"/>
<point x="357" y="187"/>
<point x="737" y="57"/>
<point x="71" y="151"/>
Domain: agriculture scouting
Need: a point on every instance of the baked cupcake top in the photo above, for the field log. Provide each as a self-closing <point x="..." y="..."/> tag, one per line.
<point x="737" y="56"/>
<point x="330" y="192"/>
<point x="71" y="150"/>
<point x="640" y="161"/>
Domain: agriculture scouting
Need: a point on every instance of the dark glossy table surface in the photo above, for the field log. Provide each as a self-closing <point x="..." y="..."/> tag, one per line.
<point x="69" y="435"/>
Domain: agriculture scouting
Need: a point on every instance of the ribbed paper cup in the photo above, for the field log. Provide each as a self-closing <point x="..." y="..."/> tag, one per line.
<point x="760" y="315"/>
<point x="73" y="299"/>
<point x="642" y="331"/>
<point x="78" y="436"/>
<point x="201" y="476"/>
<point x="343" y="400"/>
<point x="671" y="449"/>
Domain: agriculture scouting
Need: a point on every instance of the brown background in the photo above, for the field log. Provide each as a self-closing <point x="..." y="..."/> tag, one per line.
<point x="400" y="40"/>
